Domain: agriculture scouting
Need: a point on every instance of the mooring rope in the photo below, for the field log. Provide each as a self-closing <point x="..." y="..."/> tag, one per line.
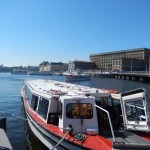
<point x="60" y="140"/>
<point x="22" y="118"/>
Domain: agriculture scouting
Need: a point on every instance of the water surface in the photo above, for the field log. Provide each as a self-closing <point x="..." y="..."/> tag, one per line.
<point x="18" y="130"/>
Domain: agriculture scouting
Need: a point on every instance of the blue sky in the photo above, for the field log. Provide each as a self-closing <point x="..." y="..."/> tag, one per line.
<point x="32" y="31"/>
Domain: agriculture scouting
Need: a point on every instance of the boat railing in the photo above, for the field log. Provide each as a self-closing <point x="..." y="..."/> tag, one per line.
<point x="111" y="127"/>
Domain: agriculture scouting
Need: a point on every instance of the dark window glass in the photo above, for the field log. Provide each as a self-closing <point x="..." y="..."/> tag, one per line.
<point x="43" y="108"/>
<point x="34" y="102"/>
<point x="79" y="111"/>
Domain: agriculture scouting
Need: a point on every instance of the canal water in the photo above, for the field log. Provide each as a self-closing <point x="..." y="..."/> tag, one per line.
<point x="18" y="130"/>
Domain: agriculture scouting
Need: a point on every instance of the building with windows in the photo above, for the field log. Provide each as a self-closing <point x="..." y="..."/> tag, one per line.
<point x="58" y="66"/>
<point x="81" y="65"/>
<point x="123" y="60"/>
<point x="44" y="66"/>
<point x="53" y="66"/>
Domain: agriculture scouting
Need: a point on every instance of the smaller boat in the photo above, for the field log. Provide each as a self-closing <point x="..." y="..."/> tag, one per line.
<point x="104" y="75"/>
<point x="70" y="78"/>
<point x="18" y="71"/>
<point x="66" y="73"/>
<point x="40" y="73"/>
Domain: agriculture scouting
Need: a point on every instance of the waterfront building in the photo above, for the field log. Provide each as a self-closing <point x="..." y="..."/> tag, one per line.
<point x="123" y="60"/>
<point x="44" y="66"/>
<point x="81" y="65"/>
<point x="53" y="66"/>
<point x="58" y="66"/>
<point x="32" y="68"/>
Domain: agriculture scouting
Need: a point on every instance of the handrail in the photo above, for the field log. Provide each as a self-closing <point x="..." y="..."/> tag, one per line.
<point x="113" y="136"/>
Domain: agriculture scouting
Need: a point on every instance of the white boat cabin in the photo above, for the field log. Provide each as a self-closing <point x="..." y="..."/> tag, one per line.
<point x="63" y="104"/>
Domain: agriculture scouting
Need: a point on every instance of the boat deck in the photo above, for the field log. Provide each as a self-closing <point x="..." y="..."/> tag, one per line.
<point x="127" y="140"/>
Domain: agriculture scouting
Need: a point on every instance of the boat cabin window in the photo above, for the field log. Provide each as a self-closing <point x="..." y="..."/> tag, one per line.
<point x="104" y="101"/>
<point x="107" y="101"/>
<point x="43" y="108"/>
<point x="28" y="94"/>
<point x="79" y="111"/>
<point x="34" y="102"/>
<point x="135" y="111"/>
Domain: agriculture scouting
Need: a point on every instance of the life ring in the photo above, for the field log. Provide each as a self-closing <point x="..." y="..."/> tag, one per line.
<point x="111" y="91"/>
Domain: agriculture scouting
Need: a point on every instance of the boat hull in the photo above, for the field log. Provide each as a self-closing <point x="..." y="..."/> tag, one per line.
<point x="77" y="78"/>
<point x="44" y="73"/>
<point x="49" y="139"/>
<point x="104" y="75"/>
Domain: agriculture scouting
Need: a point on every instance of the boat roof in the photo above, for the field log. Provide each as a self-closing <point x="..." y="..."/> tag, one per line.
<point x="49" y="88"/>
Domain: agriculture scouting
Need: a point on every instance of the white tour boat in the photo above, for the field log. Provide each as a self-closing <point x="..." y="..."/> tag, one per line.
<point x="69" y="116"/>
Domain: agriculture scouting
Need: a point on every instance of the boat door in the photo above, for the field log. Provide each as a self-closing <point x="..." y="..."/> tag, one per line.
<point x="135" y="110"/>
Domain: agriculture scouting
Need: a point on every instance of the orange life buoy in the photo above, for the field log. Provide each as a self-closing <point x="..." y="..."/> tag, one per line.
<point x="111" y="91"/>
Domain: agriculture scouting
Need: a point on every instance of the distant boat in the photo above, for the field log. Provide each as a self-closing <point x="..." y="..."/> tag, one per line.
<point x="104" y="75"/>
<point x="66" y="73"/>
<point x="75" y="72"/>
<point x="21" y="72"/>
<point x="58" y="73"/>
<point x="40" y="73"/>
<point x="77" y="77"/>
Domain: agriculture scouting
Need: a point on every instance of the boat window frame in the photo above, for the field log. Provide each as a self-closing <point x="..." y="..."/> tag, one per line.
<point x="137" y="116"/>
<point x="40" y="99"/>
<point x="28" y="94"/>
<point x="35" y="105"/>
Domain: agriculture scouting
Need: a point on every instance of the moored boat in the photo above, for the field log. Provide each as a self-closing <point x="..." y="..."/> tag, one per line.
<point x="104" y="75"/>
<point x="40" y="73"/>
<point x="18" y="71"/>
<point x="71" y="78"/>
<point x="74" y="117"/>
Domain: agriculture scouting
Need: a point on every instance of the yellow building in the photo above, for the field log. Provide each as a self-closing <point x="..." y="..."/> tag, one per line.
<point x="53" y="66"/>
<point x="122" y="60"/>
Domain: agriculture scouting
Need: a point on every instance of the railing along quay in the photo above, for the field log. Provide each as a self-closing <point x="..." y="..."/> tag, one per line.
<point x="134" y="75"/>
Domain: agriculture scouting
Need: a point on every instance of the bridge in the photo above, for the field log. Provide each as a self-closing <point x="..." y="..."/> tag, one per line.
<point x="134" y="75"/>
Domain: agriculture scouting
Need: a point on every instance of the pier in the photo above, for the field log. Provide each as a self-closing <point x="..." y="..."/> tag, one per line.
<point x="4" y="141"/>
<point x="135" y="76"/>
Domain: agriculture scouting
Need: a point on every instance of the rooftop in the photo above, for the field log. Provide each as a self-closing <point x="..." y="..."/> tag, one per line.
<point x="48" y="88"/>
<point x="121" y="51"/>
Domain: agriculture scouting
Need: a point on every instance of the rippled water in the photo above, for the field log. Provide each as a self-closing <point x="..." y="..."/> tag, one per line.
<point x="18" y="131"/>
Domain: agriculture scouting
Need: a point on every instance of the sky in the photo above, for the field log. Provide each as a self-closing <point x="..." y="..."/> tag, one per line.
<point x="33" y="31"/>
